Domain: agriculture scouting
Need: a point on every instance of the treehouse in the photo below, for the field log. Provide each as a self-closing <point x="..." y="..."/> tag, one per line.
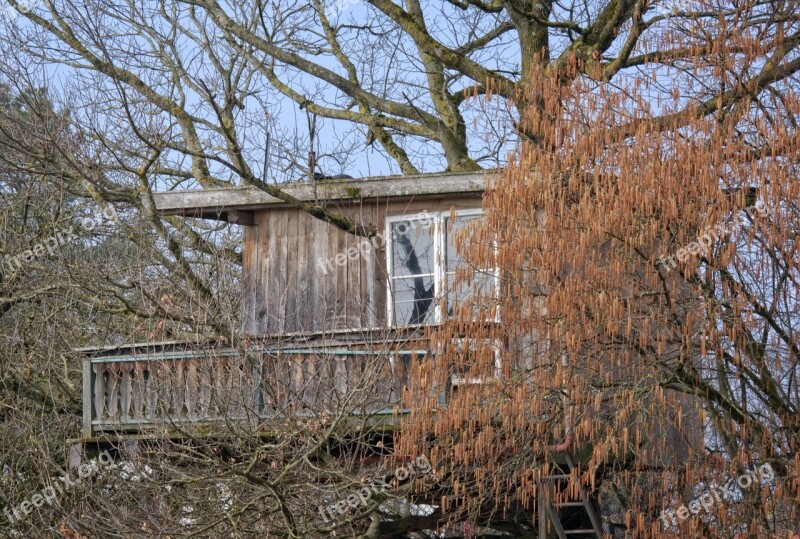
<point x="327" y="315"/>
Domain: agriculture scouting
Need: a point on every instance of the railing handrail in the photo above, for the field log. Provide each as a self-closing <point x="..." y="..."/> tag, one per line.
<point x="210" y="353"/>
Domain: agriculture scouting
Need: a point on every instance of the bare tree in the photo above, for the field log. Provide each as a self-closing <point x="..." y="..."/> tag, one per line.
<point x="643" y="123"/>
<point x="439" y="86"/>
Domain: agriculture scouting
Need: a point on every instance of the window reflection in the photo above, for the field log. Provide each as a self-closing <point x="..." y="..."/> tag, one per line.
<point x="426" y="266"/>
<point x="413" y="271"/>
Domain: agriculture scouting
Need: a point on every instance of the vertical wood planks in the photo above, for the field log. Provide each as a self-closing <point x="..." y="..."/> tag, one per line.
<point x="281" y="271"/>
<point x="266" y="258"/>
<point x="321" y="279"/>
<point x="291" y="270"/>
<point x="252" y="280"/>
<point x="304" y="274"/>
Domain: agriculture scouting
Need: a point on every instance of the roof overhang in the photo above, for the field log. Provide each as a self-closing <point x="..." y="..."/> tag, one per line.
<point x="234" y="204"/>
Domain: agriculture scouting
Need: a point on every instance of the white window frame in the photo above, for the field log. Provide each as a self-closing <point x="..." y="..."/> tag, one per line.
<point x="439" y="273"/>
<point x="457" y="380"/>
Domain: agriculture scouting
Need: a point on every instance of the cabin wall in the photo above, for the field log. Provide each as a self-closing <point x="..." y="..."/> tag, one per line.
<point x="289" y="287"/>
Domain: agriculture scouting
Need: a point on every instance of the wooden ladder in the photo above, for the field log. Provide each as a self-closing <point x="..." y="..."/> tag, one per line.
<point x="549" y="508"/>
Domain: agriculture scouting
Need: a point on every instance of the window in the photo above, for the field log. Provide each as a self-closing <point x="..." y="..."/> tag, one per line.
<point x="422" y="263"/>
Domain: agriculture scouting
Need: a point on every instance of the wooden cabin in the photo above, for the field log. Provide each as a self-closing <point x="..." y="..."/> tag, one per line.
<point x="327" y="314"/>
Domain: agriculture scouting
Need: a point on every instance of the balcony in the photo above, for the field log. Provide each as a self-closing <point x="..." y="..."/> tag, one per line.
<point x="175" y="387"/>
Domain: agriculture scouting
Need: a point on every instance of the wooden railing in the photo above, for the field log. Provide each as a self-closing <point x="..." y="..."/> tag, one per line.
<point x="131" y="393"/>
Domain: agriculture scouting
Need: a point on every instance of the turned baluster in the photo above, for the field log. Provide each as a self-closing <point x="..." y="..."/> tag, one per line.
<point x="218" y="400"/>
<point x="205" y="381"/>
<point x="125" y="391"/>
<point x="99" y="390"/>
<point x="151" y="391"/>
<point x="312" y="381"/>
<point x="112" y="390"/>
<point x="340" y="377"/>
<point x="137" y="389"/>
<point x="179" y="389"/>
<point x="191" y="389"/>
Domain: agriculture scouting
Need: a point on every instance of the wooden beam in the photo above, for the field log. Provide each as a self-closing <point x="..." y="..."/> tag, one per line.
<point x="213" y="203"/>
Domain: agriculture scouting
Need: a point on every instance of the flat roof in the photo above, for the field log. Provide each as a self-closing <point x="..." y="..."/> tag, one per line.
<point x="217" y="203"/>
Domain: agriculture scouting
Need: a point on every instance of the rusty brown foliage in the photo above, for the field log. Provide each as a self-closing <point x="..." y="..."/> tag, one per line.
<point x="649" y="301"/>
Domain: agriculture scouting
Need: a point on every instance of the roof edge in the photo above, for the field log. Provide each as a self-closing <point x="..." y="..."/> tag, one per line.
<point x="215" y="203"/>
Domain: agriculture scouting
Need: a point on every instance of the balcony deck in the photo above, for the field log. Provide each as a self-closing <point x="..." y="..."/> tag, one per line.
<point x="156" y="387"/>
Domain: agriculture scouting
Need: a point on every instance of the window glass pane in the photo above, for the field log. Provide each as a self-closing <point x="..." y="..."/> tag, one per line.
<point x="454" y="227"/>
<point x="412" y="248"/>
<point x="413" y="300"/>
<point x="482" y="282"/>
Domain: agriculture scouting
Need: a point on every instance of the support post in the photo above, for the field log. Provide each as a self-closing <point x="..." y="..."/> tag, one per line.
<point x="88" y="398"/>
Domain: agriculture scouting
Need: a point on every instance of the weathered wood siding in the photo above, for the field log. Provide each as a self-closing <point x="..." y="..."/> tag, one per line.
<point x="288" y="287"/>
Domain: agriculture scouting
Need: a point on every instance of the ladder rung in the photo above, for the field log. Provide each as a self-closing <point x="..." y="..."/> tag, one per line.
<point x="548" y="507"/>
